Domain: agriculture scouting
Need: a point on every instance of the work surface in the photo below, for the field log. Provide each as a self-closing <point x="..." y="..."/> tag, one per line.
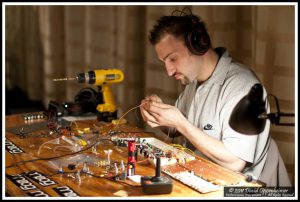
<point x="40" y="163"/>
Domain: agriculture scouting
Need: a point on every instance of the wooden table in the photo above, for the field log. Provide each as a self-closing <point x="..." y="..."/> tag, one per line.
<point x="58" y="177"/>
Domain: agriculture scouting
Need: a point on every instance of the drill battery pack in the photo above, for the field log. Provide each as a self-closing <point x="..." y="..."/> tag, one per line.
<point x="107" y="116"/>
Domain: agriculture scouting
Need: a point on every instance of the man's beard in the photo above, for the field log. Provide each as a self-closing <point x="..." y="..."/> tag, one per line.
<point x="185" y="81"/>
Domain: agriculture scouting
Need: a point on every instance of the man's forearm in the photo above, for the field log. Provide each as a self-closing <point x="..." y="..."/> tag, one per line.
<point x="211" y="147"/>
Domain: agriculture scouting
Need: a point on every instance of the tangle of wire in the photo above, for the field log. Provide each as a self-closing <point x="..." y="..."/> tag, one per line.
<point x="55" y="157"/>
<point x="96" y="176"/>
<point x="50" y="158"/>
<point x="114" y="132"/>
<point x="87" y="148"/>
<point x="117" y="124"/>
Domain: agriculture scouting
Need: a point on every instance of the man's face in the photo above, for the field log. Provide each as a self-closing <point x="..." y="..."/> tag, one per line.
<point x="179" y="62"/>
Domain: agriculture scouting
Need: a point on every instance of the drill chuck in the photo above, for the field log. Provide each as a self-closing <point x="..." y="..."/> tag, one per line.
<point x="88" y="77"/>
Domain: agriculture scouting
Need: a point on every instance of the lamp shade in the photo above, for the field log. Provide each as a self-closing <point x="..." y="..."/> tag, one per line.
<point x="245" y="116"/>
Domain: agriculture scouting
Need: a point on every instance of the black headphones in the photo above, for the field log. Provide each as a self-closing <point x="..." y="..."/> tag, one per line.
<point x="197" y="40"/>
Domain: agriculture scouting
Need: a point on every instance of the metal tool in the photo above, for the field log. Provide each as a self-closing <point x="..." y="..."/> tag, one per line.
<point x="103" y="78"/>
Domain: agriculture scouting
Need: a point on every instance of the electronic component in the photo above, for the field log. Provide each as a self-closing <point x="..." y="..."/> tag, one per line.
<point x="108" y="153"/>
<point x="116" y="171"/>
<point x="29" y="117"/>
<point x="60" y="170"/>
<point x="71" y="142"/>
<point x="131" y="158"/>
<point x="79" y="141"/>
<point x="78" y="177"/>
<point x="190" y="179"/>
<point x="123" y="174"/>
<point x="79" y="162"/>
<point x="167" y="149"/>
<point x="71" y="166"/>
<point x="28" y="128"/>
<point x="148" y="147"/>
<point x="200" y="174"/>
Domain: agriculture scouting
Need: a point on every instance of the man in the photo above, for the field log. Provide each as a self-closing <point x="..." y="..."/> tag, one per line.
<point x="214" y="85"/>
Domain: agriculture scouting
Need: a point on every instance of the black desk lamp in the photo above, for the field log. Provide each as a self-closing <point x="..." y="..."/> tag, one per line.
<point x="249" y="115"/>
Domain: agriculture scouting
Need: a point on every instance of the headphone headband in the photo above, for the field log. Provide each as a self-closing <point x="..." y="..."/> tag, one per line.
<point x="197" y="40"/>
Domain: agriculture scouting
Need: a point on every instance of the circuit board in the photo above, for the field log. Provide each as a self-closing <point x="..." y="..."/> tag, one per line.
<point x="199" y="174"/>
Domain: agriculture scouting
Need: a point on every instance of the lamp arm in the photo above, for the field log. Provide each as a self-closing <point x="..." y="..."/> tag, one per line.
<point x="276" y="102"/>
<point x="275" y="117"/>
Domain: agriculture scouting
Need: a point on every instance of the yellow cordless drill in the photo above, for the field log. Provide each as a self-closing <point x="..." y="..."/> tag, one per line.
<point x="103" y="78"/>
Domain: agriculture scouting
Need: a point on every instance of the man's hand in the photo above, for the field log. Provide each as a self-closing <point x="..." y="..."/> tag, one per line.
<point x="161" y="114"/>
<point x="153" y="98"/>
<point x="148" y="117"/>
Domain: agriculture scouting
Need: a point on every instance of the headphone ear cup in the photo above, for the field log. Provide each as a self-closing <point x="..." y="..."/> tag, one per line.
<point x="191" y="41"/>
<point x="202" y="43"/>
<point x="198" y="41"/>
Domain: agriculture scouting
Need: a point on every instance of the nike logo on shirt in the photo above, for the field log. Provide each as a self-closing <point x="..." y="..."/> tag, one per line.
<point x="208" y="127"/>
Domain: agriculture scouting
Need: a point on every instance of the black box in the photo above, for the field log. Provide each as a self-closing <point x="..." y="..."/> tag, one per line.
<point x="156" y="185"/>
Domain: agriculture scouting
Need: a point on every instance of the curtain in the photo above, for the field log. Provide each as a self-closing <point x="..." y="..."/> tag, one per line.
<point x="47" y="42"/>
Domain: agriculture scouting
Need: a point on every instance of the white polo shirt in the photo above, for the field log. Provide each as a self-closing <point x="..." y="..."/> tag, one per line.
<point x="209" y="107"/>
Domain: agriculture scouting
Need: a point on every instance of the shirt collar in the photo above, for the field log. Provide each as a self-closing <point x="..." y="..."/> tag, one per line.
<point x="219" y="74"/>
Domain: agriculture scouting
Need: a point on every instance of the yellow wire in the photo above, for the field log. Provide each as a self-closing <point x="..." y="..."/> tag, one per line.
<point x="188" y="150"/>
<point x="180" y="147"/>
<point x="127" y="113"/>
<point x="77" y="128"/>
<point x="177" y="146"/>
